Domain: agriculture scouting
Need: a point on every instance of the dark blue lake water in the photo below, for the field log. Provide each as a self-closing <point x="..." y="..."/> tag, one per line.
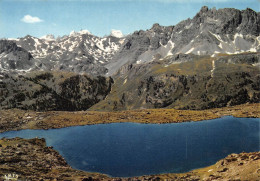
<point x="131" y="149"/>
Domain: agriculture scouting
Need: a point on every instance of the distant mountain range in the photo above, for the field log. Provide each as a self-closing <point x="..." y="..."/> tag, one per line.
<point x="79" y="52"/>
<point x="210" y="32"/>
<point x="211" y="60"/>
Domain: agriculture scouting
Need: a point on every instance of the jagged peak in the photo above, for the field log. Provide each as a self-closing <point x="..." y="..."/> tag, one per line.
<point x="48" y="37"/>
<point x="116" y="33"/>
<point x="81" y="32"/>
<point x="84" y="32"/>
<point x="73" y="33"/>
<point x="204" y="9"/>
<point x="157" y="28"/>
<point x="28" y="36"/>
<point x="156" y="25"/>
<point x="249" y="11"/>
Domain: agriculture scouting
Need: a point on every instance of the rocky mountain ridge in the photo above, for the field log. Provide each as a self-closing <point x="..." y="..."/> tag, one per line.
<point x="79" y="52"/>
<point x="209" y="32"/>
<point x="211" y="60"/>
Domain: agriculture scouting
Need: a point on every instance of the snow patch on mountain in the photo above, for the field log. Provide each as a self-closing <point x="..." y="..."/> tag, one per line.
<point x="210" y="32"/>
<point x="13" y="39"/>
<point x="48" y="37"/>
<point x="84" y="32"/>
<point x="116" y="33"/>
<point x="79" y="52"/>
<point x="81" y="32"/>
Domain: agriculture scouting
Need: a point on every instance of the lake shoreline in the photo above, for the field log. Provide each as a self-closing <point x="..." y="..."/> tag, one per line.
<point x="46" y="163"/>
<point x="15" y="119"/>
<point x="238" y="165"/>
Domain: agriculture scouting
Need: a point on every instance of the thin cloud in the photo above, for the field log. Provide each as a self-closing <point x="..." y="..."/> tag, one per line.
<point x="30" y="19"/>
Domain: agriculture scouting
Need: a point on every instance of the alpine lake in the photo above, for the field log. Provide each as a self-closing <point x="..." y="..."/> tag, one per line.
<point x="133" y="149"/>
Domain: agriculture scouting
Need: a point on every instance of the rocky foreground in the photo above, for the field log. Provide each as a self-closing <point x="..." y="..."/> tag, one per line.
<point x="32" y="160"/>
<point x="243" y="166"/>
<point x="23" y="159"/>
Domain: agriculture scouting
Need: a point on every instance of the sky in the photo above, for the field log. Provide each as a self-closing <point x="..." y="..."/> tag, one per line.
<point x="19" y="18"/>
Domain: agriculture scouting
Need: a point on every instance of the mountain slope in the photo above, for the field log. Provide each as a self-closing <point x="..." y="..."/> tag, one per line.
<point x="44" y="91"/>
<point x="210" y="32"/>
<point x="14" y="58"/>
<point x="186" y="82"/>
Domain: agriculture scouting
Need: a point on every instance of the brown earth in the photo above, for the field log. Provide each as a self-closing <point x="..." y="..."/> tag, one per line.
<point x="243" y="166"/>
<point x="15" y="119"/>
<point x="32" y="160"/>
